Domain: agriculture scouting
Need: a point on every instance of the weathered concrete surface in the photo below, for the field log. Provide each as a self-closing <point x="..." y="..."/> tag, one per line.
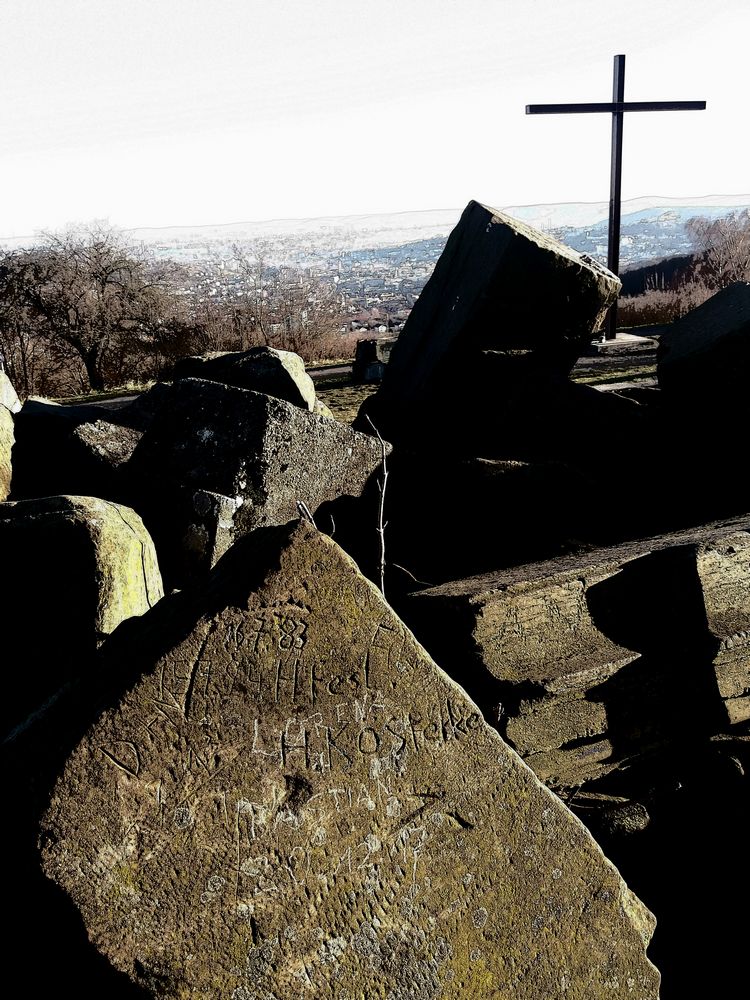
<point x="75" y="568"/>
<point x="293" y="799"/>
<point x="262" y="369"/>
<point x="499" y="285"/>
<point x="528" y="626"/>
<point x="219" y="462"/>
<point x="705" y="355"/>
<point x="591" y="658"/>
<point x="571" y="767"/>
<point x="8" y="395"/>
<point x="550" y="723"/>
<point x="6" y="448"/>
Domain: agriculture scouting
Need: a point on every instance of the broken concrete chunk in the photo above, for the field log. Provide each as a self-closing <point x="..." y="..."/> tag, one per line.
<point x="262" y="369"/>
<point x="499" y="285"/>
<point x="263" y="455"/>
<point x="551" y="723"/>
<point x="570" y="767"/>
<point x="529" y="626"/>
<point x="76" y="568"/>
<point x="292" y="797"/>
<point x="110" y="443"/>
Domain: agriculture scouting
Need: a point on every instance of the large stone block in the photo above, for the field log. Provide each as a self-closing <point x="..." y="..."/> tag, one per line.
<point x="218" y="462"/>
<point x="7" y="438"/>
<point x="594" y="657"/>
<point x="75" y="450"/>
<point x="705" y="356"/>
<point x="499" y="285"/>
<point x="261" y="369"/>
<point x="75" y="567"/>
<point x="529" y="627"/>
<point x="291" y="798"/>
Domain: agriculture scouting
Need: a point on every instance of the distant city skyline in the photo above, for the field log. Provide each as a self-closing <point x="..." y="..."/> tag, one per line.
<point x="165" y="113"/>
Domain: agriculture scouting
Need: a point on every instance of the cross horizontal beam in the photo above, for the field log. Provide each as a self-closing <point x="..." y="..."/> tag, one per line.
<point x="616" y="107"/>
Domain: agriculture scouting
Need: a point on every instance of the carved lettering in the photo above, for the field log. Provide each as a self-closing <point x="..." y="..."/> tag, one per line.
<point x="125" y="755"/>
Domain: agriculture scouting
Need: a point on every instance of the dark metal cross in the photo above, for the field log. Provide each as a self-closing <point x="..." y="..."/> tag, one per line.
<point x="616" y="109"/>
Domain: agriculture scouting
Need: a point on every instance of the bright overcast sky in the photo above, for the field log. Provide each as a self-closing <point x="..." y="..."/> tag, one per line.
<point x="186" y="112"/>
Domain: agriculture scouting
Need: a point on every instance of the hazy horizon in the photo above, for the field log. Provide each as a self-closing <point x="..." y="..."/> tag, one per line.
<point x="549" y="214"/>
<point x="165" y="113"/>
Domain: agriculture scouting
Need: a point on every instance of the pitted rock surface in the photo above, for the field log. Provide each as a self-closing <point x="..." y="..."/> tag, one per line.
<point x="293" y="800"/>
<point x="218" y="462"/>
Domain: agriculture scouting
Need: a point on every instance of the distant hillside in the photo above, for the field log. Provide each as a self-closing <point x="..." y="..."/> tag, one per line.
<point x="646" y="235"/>
<point x="652" y="228"/>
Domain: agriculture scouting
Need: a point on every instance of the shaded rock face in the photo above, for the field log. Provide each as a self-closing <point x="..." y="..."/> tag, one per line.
<point x="262" y="369"/>
<point x="76" y="450"/>
<point x="498" y="286"/>
<point x="599" y="656"/>
<point x="703" y="370"/>
<point x="75" y="568"/>
<point x="453" y="517"/>
<point x="6" y="449"/>
<point x="8" y="396"/>
<point x="139" y="413"/>
<point x="705" y="355"/>
<point x="677" y="811"/>
<point x="293" y="798"/>
<point x="219" y="462"/>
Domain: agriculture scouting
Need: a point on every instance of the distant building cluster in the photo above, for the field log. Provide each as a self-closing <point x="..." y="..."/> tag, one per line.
<point x="374" y="288"/>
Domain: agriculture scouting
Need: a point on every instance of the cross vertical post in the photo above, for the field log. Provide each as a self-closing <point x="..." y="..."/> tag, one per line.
<point x="616" y="108"/>
<point x="615" y="187"/>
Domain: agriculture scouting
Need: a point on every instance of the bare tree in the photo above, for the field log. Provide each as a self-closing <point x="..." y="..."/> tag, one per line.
<point x="723" y="246"/>
<point x="286" y="307"/>
<point x="33" y="360"/>
<point x="85" y="295"/>
<point x="258" y="285"/>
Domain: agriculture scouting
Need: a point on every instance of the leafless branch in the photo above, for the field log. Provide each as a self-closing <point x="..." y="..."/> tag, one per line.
<point x="382" y="525"/>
